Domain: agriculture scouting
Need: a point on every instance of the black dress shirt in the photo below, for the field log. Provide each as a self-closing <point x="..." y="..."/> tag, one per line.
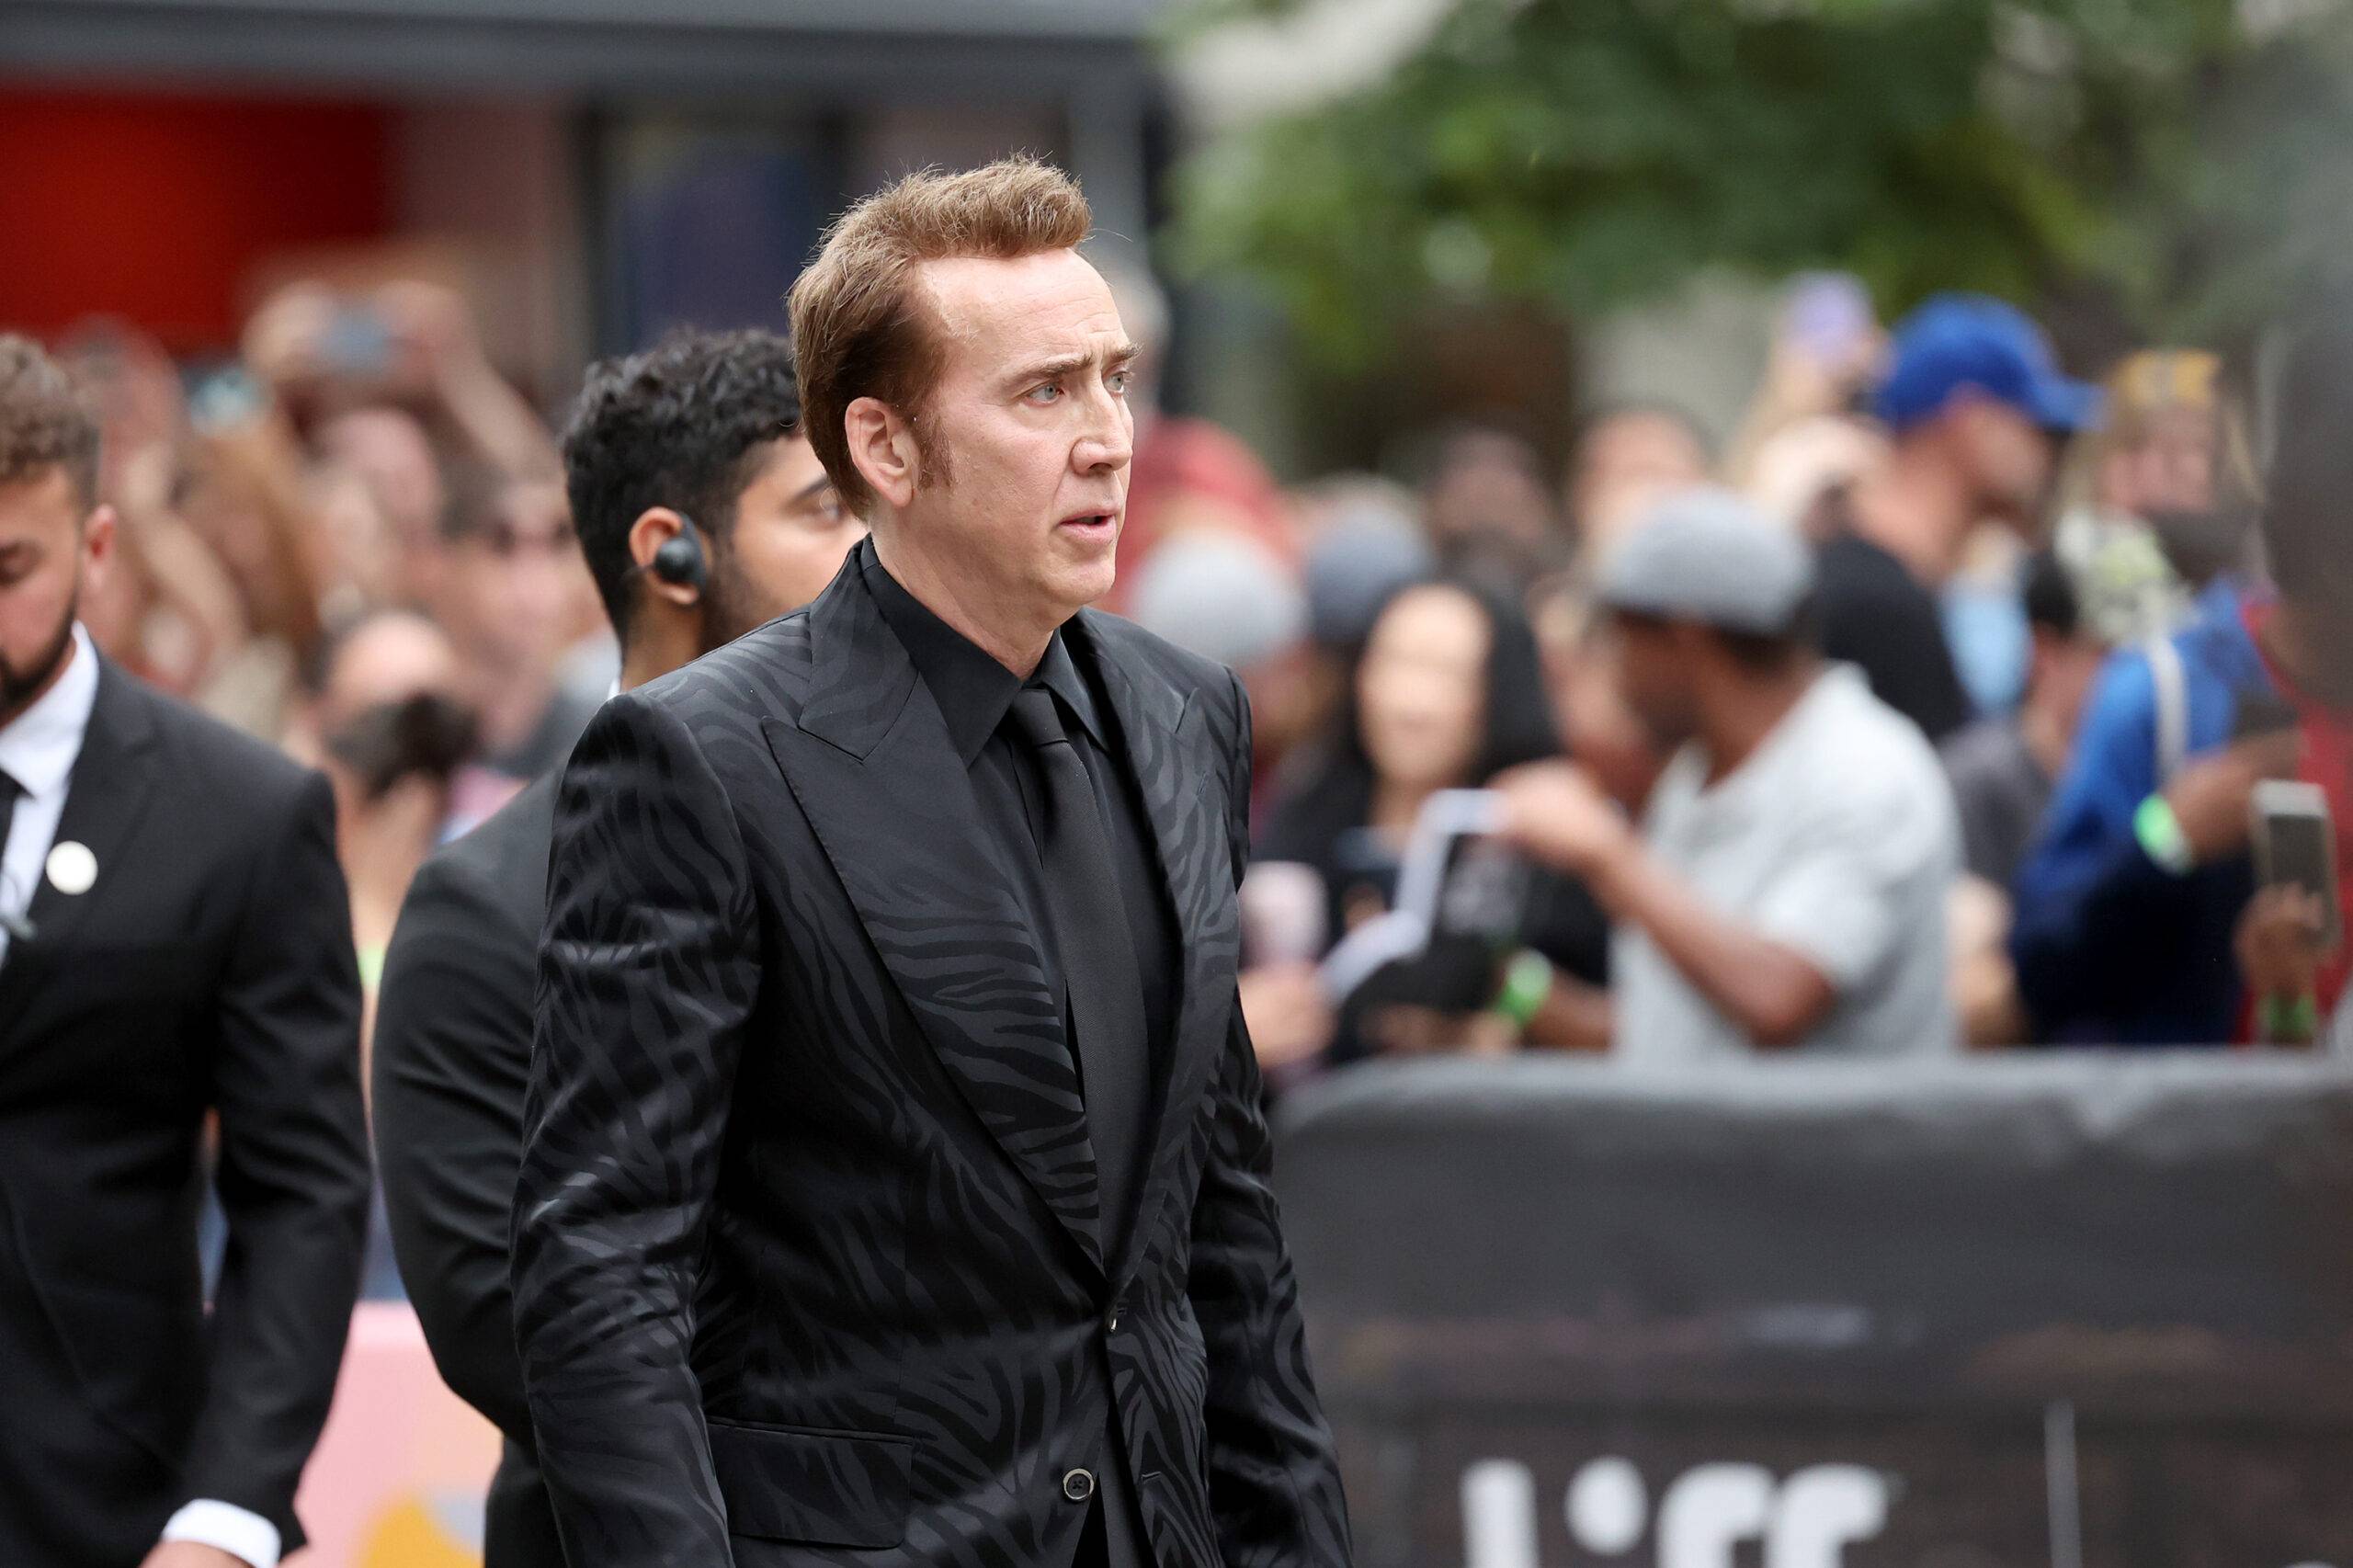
<point x="974" y="693"/>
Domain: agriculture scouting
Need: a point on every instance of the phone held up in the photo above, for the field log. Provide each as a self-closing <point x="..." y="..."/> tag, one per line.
<point x="2295" y="845"/>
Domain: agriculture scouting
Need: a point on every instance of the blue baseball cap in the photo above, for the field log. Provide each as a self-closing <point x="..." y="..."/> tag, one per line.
<point x="1972" y="342"/>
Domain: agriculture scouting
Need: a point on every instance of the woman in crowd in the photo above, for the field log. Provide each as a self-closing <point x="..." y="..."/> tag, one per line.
<point x="386" y="723"/>
<point x="1447" y="693"/>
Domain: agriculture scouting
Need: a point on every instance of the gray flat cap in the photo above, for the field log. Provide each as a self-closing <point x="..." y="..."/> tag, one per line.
<point x="1360" y="557"/>
<point x="1709" y="556"/>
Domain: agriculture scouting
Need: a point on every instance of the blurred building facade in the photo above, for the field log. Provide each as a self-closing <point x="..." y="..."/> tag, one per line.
<point x="587" y="175"/>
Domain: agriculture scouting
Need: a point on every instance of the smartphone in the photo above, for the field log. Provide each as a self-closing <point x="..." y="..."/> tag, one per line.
<point x="1828" y="317"/>
<point x="357" y="341"/>
<point x="226" y="399"/>
<point x="2295" y="845"/>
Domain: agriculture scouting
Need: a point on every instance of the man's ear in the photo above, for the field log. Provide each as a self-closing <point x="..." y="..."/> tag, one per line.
<point x="656" y="527"/>
<point x="882" y="448"/>
<point x="98" y="543"/>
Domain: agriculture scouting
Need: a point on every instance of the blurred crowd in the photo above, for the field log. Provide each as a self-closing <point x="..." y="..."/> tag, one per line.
<point x="1936" y="710"/>
<point x="1929" y="709"/>
<point x="353" y="540"/>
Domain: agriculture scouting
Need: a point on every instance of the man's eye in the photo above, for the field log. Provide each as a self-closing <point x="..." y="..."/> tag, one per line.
<point x="1043" y="395"/>
<point x="1119" y="381"/>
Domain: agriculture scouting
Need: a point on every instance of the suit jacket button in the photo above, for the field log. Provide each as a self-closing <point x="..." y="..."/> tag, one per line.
<point x="1079" y="1485"/>
<point x="1111" y="1323"/>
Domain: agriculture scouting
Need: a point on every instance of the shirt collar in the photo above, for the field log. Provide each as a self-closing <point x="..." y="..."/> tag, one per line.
<point x="973" y="691"/>
<point x="38" y="748"/>
<point x="1835" y="686"/>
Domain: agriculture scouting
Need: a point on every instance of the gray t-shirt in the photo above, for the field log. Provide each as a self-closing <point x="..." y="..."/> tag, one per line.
<point x="2002" y="794"/>
<point x="1837" y="837"/>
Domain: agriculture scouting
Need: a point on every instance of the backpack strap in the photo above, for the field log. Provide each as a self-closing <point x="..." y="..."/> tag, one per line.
<point x="2172" y="683"/>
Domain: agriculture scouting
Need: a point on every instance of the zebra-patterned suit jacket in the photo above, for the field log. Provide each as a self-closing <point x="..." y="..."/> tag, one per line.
<point x="806" y="1266"/>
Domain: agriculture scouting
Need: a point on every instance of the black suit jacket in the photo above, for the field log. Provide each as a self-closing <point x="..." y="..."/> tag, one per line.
<point x="807" y="1258"/>
<point x="208" y="969"/>
<point x="452" y="1054"/>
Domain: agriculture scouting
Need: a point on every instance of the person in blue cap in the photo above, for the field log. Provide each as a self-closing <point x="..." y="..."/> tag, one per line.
<point x="1977" y="411"/>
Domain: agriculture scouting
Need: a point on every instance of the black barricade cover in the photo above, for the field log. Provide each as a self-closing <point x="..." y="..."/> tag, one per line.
<point x="2056" y="1303"/>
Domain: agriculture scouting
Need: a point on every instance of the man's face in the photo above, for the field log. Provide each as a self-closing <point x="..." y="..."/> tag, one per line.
<point x="511" y="583"/>
<point x="1654" y="678"/>
<point x="1624" y="465"/>
<point x="49" y="547"/>
<point x="790" y="535"/>
<point x="1031" y="422"/>
<point x="2009" y="461"/>
<point x="1491" y="496"/>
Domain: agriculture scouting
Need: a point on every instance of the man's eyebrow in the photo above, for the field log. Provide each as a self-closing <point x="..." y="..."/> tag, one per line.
<point x="822" y="481"/>
<point x="1116" y="357"/>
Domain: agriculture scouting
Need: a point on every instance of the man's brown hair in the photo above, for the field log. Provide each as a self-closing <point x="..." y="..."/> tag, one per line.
<point x="44" y="421"/>
<point x="861" y="325"/>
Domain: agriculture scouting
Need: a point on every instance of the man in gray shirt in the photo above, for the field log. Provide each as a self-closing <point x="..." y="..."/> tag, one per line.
<point x="1787" y="888"/>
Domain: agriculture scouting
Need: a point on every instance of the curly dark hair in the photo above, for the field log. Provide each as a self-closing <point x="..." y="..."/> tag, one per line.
<point x="44" y="420"/>
<point x="684" y="425"/>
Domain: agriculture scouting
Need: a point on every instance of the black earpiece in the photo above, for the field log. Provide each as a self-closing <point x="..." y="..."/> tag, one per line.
<point x="680" y="561"/>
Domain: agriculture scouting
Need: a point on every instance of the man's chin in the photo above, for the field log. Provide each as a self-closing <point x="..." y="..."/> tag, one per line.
<point x="1076" y="590"/>
<point x="19" y="688"/>
<point x="1084" y="576"/>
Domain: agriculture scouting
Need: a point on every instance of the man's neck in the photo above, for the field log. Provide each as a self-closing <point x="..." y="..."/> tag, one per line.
<point x="1018" y="647"/>
<point x="2049" y="738"/>
<point x="654" y="649"/>
<point x="1914" y="510"/>
<point x="1744" y="716"/>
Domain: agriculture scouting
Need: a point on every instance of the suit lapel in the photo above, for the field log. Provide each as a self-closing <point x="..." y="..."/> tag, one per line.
<point x="870" y="764"/>
<point x="1160" y="735"/>
<point x="109" y="791"/>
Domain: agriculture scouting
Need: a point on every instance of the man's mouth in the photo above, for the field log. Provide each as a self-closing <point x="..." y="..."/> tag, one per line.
<point x="1092" y="522"/>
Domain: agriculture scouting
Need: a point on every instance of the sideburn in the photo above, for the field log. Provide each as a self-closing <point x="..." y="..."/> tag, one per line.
<point x="932" y="464"/>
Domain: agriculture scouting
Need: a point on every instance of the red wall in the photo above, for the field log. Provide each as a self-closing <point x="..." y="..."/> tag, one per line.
<point x="152" y="206"/>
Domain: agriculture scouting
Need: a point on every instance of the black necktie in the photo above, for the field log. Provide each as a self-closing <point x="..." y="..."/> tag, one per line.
<point x="1104" y="988"/>
<point x="10" y="793"/>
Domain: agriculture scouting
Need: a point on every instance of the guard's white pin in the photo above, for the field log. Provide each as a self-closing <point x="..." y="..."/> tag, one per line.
<point x="72" y="868"/>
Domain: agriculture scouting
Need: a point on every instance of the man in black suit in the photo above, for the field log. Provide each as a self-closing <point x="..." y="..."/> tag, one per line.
<point x="893" y="1186"/>
<point x="175" y="943"/>
<point x="704" y="428"/>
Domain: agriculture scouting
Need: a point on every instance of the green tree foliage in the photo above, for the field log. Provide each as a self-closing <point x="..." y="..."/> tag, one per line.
<point x="2186" y="162"/>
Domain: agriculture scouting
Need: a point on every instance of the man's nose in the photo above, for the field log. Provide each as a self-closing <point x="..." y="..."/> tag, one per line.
<point x="1109" y="441"/>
